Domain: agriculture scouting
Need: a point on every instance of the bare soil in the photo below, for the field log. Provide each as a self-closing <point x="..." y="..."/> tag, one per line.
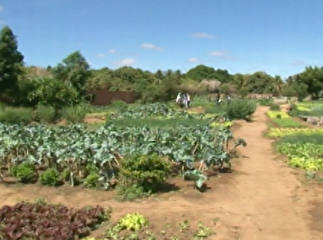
<point x="261" y="199"/>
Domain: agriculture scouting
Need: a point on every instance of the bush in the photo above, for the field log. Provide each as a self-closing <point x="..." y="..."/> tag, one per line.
<point x="74" y="114"/>
<point x="274" y="107"/>
<point x="92" y="180"/>
<point x="45" y="113"/>
<point x="121" y="106"/>
<point x="241" y="109"/>
<point x="50" y="177"/>
<point x="147" y="171"/>
<point x="16" y="115"/>
<point x="131" y="192"/>
<point x="25" y="172"/>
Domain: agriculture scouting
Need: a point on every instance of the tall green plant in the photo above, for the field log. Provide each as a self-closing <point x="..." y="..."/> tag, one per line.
<point x="11" y="61"/>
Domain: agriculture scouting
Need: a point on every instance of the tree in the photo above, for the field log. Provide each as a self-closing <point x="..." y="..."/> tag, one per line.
<point x="312" y="77"/>
<point x="200" y="72"/>
<point x="74" y="71"/>
<point x="11" y="61"/>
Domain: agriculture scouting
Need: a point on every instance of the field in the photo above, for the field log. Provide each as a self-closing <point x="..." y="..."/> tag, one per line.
<point x="214" y="189"/>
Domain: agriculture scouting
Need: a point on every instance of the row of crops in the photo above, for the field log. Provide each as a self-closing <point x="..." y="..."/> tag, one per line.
<point x="303" y="146"/>
<point x="74" y="149"/>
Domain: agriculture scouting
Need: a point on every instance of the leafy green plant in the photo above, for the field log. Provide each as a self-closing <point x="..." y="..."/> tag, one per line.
<point x="127" y="192"/>
<point x="119" y="105"/>
<point x="241" y="109"/>
<point x="45" y="114"/>
<point x="275" y="107"/>
<point x="25" y="172"/>
<point x="133" y="221"/>
<point x="74" y="114"/>
<point x="16" y="115"/>
<point x="92" y="180"/>
<point x="202" y="232"/>
<point x="148" y="171"/>
<point x="50" y="177"/>
<point x="73" y="147"/>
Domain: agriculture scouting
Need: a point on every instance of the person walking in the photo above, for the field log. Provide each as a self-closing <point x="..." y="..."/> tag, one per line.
<point x="188" y="98"/>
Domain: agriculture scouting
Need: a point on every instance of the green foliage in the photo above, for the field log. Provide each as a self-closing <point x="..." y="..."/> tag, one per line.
<point x="16" y="115"/>
<point x="202" y="232"/>
<point x="11" y="61"/>
<point x="283" y="120"/>
<point x="196" y="176"/>
<point x="148" y="171"/>
<point x="73" y="147"/>
<point x="50" y="177"/>
<point x="74" y="114"/>
<point x="308" y="156"/>
<point x="201" y="72"/>
<point x="24" y="172"/>
<point x="241" y="109"/>
<point x="45" y="114"/>
<point x="92" y="180"/>
<point x="314" y="138"/>
<point x="119" y="105"/>
<point x="312" y="108"/>
<point x="130" y="192"/>
<point x="265" y="102"/>
<point x="73" y="71"/>
<point x="274" y="107"/>
<point x="133" y="221"/>
<point x="52" y="92"/>
<point x="282" y="132"/>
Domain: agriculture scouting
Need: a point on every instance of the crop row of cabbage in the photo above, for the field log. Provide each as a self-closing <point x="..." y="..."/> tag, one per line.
<point x="73" y="147"/>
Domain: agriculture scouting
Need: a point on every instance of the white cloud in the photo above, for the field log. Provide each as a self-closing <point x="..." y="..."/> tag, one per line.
<point x="1" y="8"/>
<point x="2" y="22"/>
<point x="297" y="62"/>
<point x="193" y="60"/>
<point x="100" y="55"/>
<point x="112" y="51"/>
<point x="126" y="62"/>
<point x="203" y="35"/>
<point x="150" y="46"/>
<point x="221" y="54"/>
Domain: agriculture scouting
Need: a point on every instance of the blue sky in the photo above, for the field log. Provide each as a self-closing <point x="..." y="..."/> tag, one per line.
<point x="276" y="36"/>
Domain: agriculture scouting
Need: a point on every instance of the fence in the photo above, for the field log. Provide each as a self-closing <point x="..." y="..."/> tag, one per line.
<point x="104" y="97"/>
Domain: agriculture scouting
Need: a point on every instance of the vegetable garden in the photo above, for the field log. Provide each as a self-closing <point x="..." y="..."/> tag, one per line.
<point x="74" y="154"/>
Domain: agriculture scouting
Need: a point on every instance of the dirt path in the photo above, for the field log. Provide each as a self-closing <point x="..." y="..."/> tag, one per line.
<point x="262" y="200"/>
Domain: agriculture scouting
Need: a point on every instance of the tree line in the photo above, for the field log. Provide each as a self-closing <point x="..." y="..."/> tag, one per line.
<point x="72" y="80"/>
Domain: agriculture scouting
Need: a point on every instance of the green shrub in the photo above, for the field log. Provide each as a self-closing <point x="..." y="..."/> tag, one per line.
<point x="74" y="114"/>
<point x="241" y="109"/>
<point x="119" y="105"/>
<point x="45" y="114"/>
<point x="274" y="107"/>
<point x="127" y="192"/>
<point x="92" y="180"/>
<point x="16" y="115"/>
<point x="265" y="102"/>
<point x="148" y="171"/>
<point x="50" y="177"/>
<point x="25" y="172"/>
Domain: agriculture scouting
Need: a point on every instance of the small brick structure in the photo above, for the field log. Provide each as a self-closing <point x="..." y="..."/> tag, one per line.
<point x="105" y="97"/>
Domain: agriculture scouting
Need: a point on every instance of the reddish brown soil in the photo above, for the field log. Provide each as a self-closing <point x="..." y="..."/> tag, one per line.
<point x="262" y="199"/>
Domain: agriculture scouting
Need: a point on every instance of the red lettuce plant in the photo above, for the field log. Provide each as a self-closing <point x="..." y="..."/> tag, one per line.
<point x="46" y="221"/>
